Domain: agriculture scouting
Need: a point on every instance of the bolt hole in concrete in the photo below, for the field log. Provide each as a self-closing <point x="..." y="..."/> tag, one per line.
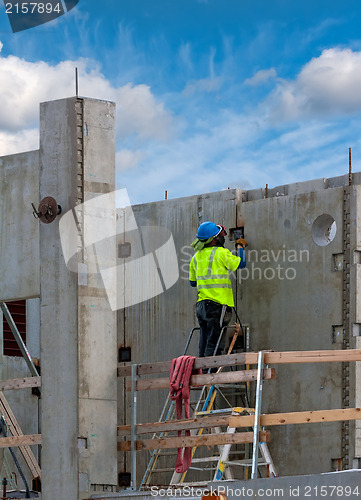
<point x="324" y="230"/>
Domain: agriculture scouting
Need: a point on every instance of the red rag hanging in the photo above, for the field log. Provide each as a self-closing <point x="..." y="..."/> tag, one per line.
<point x="180" y="374"/>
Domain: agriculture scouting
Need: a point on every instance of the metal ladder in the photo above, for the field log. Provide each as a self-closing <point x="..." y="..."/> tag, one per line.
<point x="223" y="462"/>
<point x="204" y="402"/>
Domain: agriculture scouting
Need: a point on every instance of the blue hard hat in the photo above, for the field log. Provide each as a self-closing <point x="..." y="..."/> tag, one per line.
<point x="208" y="229"/>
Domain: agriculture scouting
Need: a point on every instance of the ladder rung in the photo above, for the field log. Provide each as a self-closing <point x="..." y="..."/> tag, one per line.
<point x="169" y="469"/>
<point x="245" y="463"/>
<point x="195" y="484"/>
<point x="204" y="459"/>
<point x="229" y="386"/>
<point x="203" y="468"/>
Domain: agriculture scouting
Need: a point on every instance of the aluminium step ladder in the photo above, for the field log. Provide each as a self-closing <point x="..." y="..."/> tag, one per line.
<point x="204" y="404"/>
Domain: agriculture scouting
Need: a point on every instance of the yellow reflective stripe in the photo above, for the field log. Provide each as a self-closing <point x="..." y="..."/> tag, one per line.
<point x="215" y="285"/>
<point x="218" y="281"/>
<point x="213" y="277"/>
<point x="211" y="257"/>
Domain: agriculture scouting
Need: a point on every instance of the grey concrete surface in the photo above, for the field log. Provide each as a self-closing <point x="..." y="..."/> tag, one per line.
<point x="58" y="307"/>
<point x="19" y="242"/>
<point x="78" y="334"/>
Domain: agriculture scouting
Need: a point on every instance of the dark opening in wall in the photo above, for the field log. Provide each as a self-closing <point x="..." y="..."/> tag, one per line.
<point x="124" y="479"/>
<point x="18" y="312"/>
<point x="124" y="354"/>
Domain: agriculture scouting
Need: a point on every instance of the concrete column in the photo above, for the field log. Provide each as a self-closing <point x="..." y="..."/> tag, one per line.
<point x="78" y="328"/>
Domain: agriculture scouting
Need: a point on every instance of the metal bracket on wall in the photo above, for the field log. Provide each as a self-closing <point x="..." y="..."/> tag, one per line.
<point x="48" y="210"/>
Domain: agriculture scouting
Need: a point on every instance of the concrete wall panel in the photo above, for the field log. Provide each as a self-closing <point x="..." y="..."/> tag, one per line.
<point x="19" y="242"/>
<point x="77" y="323"/>
<point x="295" y="310"/>
<point x="59" y="307"/>
<point x="158" y="328"/>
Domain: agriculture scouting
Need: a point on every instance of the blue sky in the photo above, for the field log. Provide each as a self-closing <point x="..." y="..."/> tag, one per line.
<point x="210" y="93"/>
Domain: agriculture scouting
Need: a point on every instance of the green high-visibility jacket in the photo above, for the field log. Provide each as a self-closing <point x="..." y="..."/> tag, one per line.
<point x="210" y="269"/>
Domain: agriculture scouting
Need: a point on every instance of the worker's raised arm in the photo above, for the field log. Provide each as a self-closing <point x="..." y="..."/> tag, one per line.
<point x="242" y="255"/>
<point x="241" y="244"/>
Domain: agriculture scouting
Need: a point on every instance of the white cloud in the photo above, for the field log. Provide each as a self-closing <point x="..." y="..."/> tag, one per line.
<point x="24" y="84"/>
<point x="261" y="76"/>
<point x="203" y="85"/>
<point x="1" y="45"/>
<point x="19" y="142"/>
<point x="186" y="56"/>
<point x="328" y="85"/>
<point x="127" y="159"/>
<point x="138" y="111"/>
<point x="242" y="151"/>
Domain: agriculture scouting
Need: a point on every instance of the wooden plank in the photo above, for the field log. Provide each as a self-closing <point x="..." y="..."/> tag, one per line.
<point x="251" y="358"/>
<point x="24" y="440"/>
<point x="177" y="425"/>
<point x="312" y="356"/>
<point x="203" y="440"/>
<point x="19" y="383"/>
<point x="206" y="379"/>
<point x="304" y="417"/>
<point x="15" y="430"/>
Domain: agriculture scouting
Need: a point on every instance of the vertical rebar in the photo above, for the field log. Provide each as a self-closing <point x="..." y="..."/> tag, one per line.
<point x="349" y="168"/>
<point x="76" y="82"/>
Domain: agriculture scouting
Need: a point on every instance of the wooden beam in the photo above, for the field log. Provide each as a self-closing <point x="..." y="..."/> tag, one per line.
<point x="177" y="425"/>
<point x="206" y="379"/>
<point x="24" y="440"/>
<point x="304" y="417"/>
<point x="203" y="440"/>
<point x="16" y="431"/>
<point x="19" y="383"/>
<point x="250" y="358"/>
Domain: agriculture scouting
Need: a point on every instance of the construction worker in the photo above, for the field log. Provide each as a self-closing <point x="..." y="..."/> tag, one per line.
<point x="209" y="272"/>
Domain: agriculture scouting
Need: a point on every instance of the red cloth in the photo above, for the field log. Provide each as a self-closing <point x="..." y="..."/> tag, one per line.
<point x="180" y="374"/>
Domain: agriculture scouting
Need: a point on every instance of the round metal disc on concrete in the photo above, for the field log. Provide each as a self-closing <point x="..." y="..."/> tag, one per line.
<point x="48" y="210"/>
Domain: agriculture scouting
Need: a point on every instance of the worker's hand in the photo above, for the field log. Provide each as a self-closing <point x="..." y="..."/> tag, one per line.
<point x="241" y="242"/>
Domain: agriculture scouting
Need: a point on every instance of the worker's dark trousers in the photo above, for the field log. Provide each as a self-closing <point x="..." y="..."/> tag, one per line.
<point x="209" y="315"/>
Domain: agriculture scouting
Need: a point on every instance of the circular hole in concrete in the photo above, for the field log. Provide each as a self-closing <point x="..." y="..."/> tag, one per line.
<point x="324" y="230"/>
